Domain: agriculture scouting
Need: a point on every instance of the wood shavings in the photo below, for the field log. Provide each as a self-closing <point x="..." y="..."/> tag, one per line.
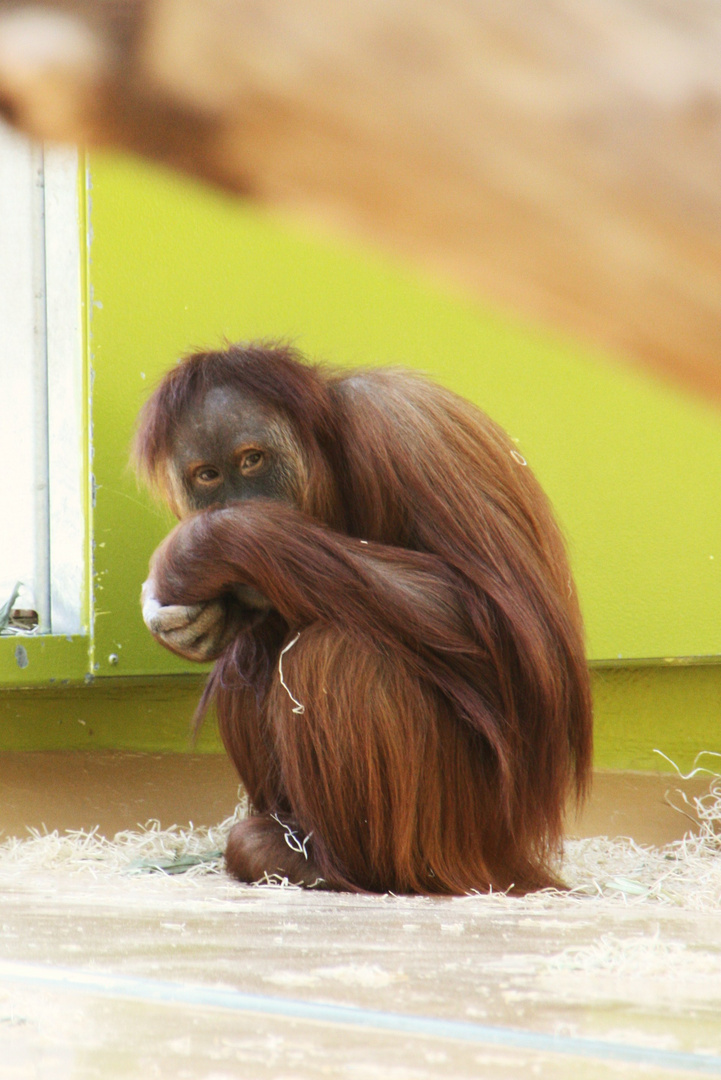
<point x="190" y="850"/>
<point x="292" y="839"/>
<point x="599" y="871"/>
<point x="298" y="708"/>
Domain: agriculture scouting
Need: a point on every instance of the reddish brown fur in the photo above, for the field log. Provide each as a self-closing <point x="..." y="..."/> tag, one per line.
<point x="440" y="665"/>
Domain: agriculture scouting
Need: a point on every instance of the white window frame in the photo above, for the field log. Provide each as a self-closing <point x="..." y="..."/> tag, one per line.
<point x="42" y="182"/>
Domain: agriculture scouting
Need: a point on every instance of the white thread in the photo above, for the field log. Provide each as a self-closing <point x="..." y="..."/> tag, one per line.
<point x="518" y="457"/>
<point x="291" y="837"/>
<point x="299" y="709"/>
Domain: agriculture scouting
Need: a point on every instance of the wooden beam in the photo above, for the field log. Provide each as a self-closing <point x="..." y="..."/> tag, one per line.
<point x="558" y="157"/>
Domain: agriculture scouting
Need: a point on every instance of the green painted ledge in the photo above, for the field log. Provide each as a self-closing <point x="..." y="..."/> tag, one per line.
<point x="144" y="714"/>
<point x="674" y="708"/>
<point x="37" y="661"/>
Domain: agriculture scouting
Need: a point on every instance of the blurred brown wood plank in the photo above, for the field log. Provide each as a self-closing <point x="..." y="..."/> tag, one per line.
<point x="558" y="157"/>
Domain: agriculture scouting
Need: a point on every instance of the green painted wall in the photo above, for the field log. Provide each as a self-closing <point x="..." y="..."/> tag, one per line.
<point x="633" y="469"/>
<point x="672" y="708"/>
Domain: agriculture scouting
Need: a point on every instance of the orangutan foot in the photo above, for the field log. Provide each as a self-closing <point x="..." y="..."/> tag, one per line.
<point x="266" y="846"/>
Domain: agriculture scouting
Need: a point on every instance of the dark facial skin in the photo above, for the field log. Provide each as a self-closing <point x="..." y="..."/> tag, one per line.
<point x="228" y="451"/>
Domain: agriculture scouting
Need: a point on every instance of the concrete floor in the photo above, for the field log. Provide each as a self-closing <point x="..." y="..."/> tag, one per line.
<point x="193" y="977"/>
<point x="190" y="979"/>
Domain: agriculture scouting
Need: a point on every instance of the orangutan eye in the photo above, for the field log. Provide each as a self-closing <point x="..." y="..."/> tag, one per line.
<point x="208" y="474"/>
<point x="251" y="460"/>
